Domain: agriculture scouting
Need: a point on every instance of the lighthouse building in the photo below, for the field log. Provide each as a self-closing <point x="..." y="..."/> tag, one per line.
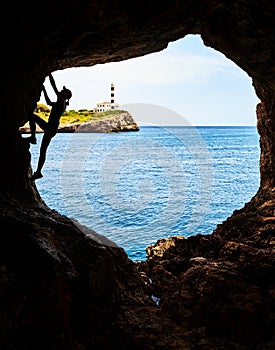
<point x="106" y="106"/>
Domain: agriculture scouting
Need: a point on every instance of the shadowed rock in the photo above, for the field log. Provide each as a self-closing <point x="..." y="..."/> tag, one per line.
<point x="61" y="286"/>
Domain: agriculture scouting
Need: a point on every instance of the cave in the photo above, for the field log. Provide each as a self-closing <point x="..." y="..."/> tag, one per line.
<point x="62" y="285"/>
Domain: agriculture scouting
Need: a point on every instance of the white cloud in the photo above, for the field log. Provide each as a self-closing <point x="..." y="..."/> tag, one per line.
<point x="158" y="68"/>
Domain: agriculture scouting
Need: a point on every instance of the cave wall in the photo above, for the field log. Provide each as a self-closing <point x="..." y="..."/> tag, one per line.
<point x="61" y="286"/>
<point x="84" y="33"/>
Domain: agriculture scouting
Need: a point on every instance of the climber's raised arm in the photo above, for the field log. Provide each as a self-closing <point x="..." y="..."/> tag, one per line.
<point x="48" y="101"/>
<point x="53" y="84"/>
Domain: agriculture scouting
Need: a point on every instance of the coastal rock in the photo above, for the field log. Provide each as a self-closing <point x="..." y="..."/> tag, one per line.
<point x="120" y="122"/>
<point x="63" y="287"/>
<point x="117" y="123"/>
<point x="221" y="284"/>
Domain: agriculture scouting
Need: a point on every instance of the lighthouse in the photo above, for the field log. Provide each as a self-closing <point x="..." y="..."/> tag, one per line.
<point x="112" y="96"/>
<point x="106" y="106"/>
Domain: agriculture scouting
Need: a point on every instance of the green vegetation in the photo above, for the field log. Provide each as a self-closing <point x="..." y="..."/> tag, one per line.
<point x="72" y="116"/>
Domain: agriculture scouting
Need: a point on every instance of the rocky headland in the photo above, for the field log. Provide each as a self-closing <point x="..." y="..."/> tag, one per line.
<point x="63" y="286"/>
<point x="122" y="121"/>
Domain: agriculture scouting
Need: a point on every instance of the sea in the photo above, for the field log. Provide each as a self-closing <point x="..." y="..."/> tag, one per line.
<point x="137" y="187"/>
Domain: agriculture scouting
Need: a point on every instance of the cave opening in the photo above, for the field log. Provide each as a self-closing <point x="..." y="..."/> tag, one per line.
<point x="124" y="211"/>
<point x="62" y="284"/>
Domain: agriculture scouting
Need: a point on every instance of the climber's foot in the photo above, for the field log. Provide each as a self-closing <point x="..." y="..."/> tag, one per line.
<point x="36" y="175"/>
<point x="31" y="139"/>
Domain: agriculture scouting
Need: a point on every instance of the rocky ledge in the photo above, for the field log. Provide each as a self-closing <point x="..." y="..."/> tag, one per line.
<point x="65" y="287"/>
<point x="220" y="288"/>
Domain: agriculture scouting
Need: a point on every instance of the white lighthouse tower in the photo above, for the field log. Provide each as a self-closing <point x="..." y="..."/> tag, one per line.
<point x="106" y="106"/>
<point x="112" y="96"/>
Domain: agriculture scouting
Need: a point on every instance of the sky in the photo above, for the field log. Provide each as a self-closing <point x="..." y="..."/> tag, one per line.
<point x="187" y="81"/>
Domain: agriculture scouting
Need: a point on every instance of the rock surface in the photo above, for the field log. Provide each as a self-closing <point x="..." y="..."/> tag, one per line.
<point x="62" y="286"/>
<point x="220" y="286"/>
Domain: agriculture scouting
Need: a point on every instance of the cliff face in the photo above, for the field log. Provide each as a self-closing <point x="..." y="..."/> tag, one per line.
<point x="63" y="287"/>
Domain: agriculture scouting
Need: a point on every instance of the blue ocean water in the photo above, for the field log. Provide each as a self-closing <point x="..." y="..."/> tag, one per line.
<point x="137" y="187"/>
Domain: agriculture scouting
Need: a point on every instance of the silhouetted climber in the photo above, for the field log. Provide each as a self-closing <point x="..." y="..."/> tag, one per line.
<point x="50" y="128"/>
